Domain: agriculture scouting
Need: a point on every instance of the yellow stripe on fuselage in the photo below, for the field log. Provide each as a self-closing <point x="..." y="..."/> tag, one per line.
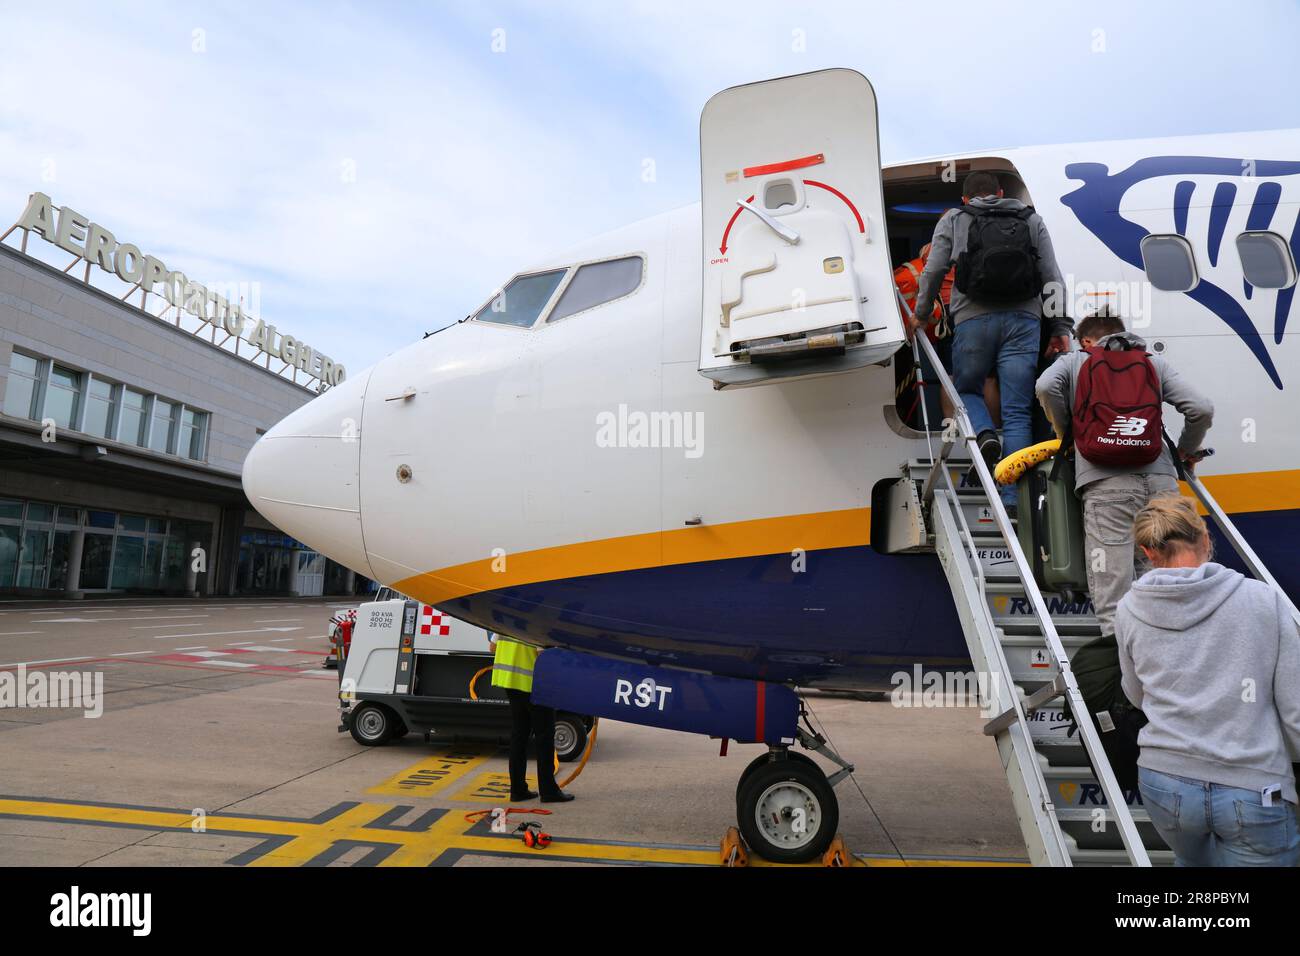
<point x="1251" y="492"/>
<point x="737" y="539"/>
<point x="1254" y="491"/>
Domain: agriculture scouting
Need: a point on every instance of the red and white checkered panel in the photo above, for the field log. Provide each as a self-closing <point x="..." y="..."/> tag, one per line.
<point x="429" y="619"/>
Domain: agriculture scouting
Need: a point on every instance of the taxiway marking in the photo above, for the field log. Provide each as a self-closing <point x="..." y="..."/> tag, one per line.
<point x="433" y="774"/>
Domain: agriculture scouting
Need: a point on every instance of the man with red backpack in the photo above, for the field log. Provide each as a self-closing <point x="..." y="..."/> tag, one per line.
<point x="1106" y="401"/>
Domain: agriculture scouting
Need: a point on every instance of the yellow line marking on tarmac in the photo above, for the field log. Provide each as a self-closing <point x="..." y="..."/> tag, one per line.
<point x="302" y="841"/>
<point x="491" y="787"/>
<point x="145" y="817"/>
<point x="895" y="862"/>
<point x="566" y="849"/>
<point x="433" y="773"/>
<point x="315" y="838"/>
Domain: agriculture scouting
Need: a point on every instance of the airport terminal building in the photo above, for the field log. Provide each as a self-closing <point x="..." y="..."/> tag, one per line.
<point x="126" y="417"/>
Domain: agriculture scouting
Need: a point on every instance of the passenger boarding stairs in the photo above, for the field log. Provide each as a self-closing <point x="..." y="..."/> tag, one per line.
<point x="1020" y="641"/>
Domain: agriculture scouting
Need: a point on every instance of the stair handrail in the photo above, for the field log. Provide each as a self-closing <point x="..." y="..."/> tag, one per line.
<point x="1129" y="834"/>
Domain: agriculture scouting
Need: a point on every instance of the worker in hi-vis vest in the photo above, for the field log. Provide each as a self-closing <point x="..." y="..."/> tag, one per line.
<point x="512" y="669"/>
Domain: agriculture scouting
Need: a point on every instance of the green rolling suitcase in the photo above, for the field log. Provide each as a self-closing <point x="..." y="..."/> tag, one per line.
<point x="1051" y="528"/>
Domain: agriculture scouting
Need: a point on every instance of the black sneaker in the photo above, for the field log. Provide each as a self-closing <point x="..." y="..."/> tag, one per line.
<point x="521" y="797"/>
<point x="559" y="796"/>
<point x="990" y="447"/>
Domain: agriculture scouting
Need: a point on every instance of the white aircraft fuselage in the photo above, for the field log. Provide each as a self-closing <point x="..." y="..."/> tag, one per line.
<point x="579" y="483"/>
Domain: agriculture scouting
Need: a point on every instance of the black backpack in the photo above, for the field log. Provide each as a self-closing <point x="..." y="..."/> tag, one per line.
<point x="1096" y="668"/>
<point x="999" y="263"/>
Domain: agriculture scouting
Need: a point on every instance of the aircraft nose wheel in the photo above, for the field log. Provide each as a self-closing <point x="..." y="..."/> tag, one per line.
<point x="786" y="809"/>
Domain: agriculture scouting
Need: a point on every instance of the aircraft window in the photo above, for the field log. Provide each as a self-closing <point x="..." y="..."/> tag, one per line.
<point x="522" y="300"/>
<point x="1266" y="260"/>
<point x="598" y="283"/>
<point x="1169" y="263"/>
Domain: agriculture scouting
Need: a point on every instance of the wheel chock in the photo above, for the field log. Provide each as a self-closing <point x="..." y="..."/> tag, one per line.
<point x="733" y="849"/>
<point x="837" y="854"/>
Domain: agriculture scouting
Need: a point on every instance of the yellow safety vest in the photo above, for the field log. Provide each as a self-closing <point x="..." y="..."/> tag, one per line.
<point x="512" y="667"/>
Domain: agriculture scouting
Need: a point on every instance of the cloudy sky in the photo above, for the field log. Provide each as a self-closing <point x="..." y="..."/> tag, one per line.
<point x="378" y="168"/>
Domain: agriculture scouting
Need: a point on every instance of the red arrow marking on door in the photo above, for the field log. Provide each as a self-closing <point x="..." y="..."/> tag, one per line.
<point x="731" y="222"/>
<point x="831" y="189"/>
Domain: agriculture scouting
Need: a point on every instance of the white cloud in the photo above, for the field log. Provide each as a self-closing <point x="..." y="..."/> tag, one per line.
<point x="365" y="186"/>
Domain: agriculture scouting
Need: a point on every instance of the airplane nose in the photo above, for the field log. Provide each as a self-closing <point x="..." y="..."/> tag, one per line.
<point x="302" y="475"/>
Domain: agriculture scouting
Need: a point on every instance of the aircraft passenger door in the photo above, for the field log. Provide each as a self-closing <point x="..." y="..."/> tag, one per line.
<point x="797" y="276"/>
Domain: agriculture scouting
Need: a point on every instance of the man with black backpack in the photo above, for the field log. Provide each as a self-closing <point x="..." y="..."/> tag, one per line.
<point x="1005" y="267"/>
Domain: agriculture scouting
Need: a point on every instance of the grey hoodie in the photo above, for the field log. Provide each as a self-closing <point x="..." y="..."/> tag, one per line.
<point x="1213" y="659"/>
<point x="1056" y="386"/>
<point x="949" y="242"/>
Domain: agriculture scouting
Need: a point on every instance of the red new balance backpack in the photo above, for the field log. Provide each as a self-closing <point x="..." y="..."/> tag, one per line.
<point x="1116" y="416"/>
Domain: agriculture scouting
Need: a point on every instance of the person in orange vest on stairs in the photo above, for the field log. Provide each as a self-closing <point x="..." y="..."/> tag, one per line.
<point x="939" y="326"/>
<point x="908" y="275"/>
<point x="512" y="670"/>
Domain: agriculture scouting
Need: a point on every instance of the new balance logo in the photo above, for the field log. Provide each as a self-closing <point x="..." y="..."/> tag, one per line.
<point x="1125" y="425"/>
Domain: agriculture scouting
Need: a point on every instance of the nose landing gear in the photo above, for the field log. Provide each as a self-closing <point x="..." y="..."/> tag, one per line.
<point x="785" y="805"/>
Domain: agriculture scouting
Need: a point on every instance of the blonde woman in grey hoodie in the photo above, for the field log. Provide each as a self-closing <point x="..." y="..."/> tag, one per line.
<point x="1213" y="659"/>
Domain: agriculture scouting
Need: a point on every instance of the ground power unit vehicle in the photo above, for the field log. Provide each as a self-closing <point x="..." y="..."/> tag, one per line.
<point x="409" y="667"/>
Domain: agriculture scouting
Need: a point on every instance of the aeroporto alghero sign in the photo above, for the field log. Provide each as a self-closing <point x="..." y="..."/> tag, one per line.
<point x="74" y="233"/>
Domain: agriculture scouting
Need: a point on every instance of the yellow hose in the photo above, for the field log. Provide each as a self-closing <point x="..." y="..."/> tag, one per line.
<point x="586" y="754"/>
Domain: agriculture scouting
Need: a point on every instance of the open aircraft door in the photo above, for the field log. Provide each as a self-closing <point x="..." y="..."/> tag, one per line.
<point x="797" y="277"/>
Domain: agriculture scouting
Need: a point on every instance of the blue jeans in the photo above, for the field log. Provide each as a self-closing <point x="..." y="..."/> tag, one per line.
<point x="1008" y="343"/>
<point x="1208" y="824"/>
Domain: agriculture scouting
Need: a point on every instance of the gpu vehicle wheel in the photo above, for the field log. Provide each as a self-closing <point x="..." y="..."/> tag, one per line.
<point x="570" y="738"/>
<point x="788" y="812"/>
<point x="371" y="725"/>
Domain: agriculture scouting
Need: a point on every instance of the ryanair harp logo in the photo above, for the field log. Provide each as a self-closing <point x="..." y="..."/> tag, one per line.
<point x="1211" y="197"/>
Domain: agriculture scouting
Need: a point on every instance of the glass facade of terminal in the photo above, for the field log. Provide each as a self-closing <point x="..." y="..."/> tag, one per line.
<point x="143" y="553"/>
<point x="121" y="552"/>
<point x="271" y="563"/>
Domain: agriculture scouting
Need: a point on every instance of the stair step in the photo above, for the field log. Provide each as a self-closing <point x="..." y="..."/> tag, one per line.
<point x="1014" y="586"/>
<point x="1017" y="618"/>
<point x="1082" y="857"/>
<point x="1027" y="626"/>
<point x="1004" y="579"/>
<point x="1089" y="814"/>
<point x="1034" y="641"/>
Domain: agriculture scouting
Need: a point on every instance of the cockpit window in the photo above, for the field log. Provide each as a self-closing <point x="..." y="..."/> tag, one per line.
<point x="522" y="300"/>
<point x="597" y="283"/>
